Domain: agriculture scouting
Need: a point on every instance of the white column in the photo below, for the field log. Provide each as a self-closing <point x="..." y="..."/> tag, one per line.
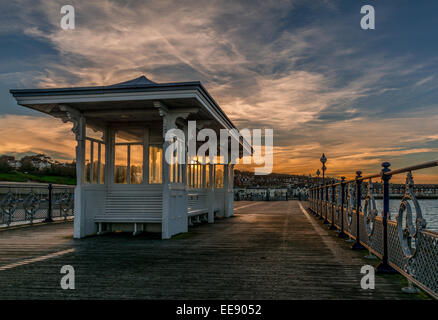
<point x="231" y="191"/>
<point x="226" y="191"/>
<point x="165" y="234"/>
<point x="174" y="209"/>
<point x="79" y="206"/>
<point x="210" y="193"/>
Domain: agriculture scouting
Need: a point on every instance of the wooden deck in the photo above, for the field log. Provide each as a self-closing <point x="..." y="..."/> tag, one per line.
<point x="269" y="250"/>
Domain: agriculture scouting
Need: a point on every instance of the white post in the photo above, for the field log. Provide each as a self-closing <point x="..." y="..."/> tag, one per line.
<point x="165" y="234"/>
<point x="79" y="221"/>
<point x="174" y="209"/>
<point x="226" y="191"/>
<point x="231" y="191"/>
<point x="210" y="192"/>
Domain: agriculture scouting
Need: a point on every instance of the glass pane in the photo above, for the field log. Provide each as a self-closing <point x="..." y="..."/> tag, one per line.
<point x="194" y="175"/>
<point x="90" y="133"/>
<point x="130" y="135"/>
<point x="219" y="176"/>
<point x="207" y="176"/>
<point x="171" y="169"/>
<point x="230" y="178"/>
<point x="188" y="175"/>
<point x="95" y="161"/>
<point x="102" y="164"/>
<point x="155" y="164"/>
<point x="201" y="175"/>
<point x="87" y="161"/>
<point x="136" y="163"/>
<point x="121" y="164"/>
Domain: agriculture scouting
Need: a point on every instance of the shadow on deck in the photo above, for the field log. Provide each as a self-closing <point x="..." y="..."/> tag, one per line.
<point x="268" y="250"/>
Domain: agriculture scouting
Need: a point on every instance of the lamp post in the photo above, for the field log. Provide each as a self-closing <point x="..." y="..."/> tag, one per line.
<point x="318" y="194"/>
<point x="323" y="161"/>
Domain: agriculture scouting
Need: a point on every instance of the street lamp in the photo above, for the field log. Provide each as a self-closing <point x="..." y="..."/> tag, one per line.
<point x="323" y="161"/>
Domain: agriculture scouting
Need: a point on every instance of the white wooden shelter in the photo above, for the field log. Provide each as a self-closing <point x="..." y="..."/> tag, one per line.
<point x="123" y="180"/>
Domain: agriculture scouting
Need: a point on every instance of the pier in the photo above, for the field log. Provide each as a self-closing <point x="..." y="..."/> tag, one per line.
<point x="267" y="250"/>
<point x="404" y="245"/>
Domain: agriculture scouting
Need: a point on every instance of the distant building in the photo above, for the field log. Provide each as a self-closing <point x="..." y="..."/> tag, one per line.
<point x="11" y="161"/>
<point x="261" y="194"/>
<point x="38" y="161"/>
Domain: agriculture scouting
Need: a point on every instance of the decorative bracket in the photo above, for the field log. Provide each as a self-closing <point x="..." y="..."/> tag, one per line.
<point x="370" y="210"/>
<point x="74" y="116"/>
<point x="409" y="231"/>
<point x="350" y="203"/>
<point x="170" y="116"/>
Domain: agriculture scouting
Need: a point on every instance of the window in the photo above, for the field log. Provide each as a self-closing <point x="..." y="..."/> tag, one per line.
<point x="95" y="161"/>
<point x="207" y="176"/>
<point x="94" y="156"/>
<point x="219" y="175"/>
<point x="195" y="176"/>
<point x="155" y="164"/>
<point x="129" y="156"/>
<point x="102" y="163"/>
<point x="230" y="178"/>
<point x="136" y="164"/>
<point x="88" y="144"/>
<point x="121" y="164"/>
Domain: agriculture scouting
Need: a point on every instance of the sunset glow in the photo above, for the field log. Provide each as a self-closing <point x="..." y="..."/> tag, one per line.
<point x="280" y="74"/>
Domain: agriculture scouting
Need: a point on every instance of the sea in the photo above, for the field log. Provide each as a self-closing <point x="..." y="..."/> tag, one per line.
<point x="429" y="210"/>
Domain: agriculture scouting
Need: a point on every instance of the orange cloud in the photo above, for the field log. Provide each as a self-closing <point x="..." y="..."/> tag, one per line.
<point x="22" y="134"/>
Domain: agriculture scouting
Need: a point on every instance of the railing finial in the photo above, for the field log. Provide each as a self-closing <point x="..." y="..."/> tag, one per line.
<point x="386" y="166"/>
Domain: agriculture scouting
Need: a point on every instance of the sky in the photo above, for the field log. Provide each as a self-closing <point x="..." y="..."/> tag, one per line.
<point x="304" y="68"/>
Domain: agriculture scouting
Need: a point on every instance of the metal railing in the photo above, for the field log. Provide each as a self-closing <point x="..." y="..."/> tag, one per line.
<point x="30" y="203"/>
<point x="404" y="245"/>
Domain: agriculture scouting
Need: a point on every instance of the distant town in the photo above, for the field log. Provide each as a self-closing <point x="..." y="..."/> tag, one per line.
<point x="37" y="168"/>
<point x="247" y="186"/>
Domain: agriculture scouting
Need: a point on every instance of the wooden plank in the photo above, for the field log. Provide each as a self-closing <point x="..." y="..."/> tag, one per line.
<point x="266" y="251"/>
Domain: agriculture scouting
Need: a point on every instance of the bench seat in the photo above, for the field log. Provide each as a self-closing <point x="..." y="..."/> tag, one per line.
<point x="123" y="219"/>
<point x="196" y="212"/>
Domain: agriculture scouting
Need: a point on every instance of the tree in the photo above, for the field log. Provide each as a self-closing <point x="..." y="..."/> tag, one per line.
<point x="5" y="167"/>
<point x="27" y="164"/>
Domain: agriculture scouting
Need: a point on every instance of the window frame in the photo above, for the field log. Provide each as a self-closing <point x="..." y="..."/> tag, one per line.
<point x="90" y="151"/>
<point x="147" y="144"/>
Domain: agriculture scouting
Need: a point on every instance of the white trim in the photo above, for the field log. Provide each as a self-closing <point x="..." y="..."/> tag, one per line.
<point x="131" y="96"/>
<point x="119" y="96"/>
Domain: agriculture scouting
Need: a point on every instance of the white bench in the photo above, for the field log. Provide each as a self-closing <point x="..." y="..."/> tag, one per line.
<point x="134" y="219"/>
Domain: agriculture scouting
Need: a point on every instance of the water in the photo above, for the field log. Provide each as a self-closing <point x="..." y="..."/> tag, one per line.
<point x="429" y="209"/>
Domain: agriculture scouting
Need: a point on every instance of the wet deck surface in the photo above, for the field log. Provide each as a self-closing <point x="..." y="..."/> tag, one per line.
<point x="268" y="250"/>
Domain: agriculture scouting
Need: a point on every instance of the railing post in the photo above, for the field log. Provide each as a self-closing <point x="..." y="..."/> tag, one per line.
<point x="321" y="199"/>
<point x="342" y="234"/>
<point x="384" y="266"/>
<point x="326" y="187"/>
<point x="357" y="245"/>
<point x="49" y="209"/>
<point x="333" y="207"/>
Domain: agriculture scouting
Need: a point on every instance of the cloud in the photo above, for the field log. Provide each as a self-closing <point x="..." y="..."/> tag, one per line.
<point x="321" y="86"/>
<point x="35" y="134"/>
<point x="424" y="81"/>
